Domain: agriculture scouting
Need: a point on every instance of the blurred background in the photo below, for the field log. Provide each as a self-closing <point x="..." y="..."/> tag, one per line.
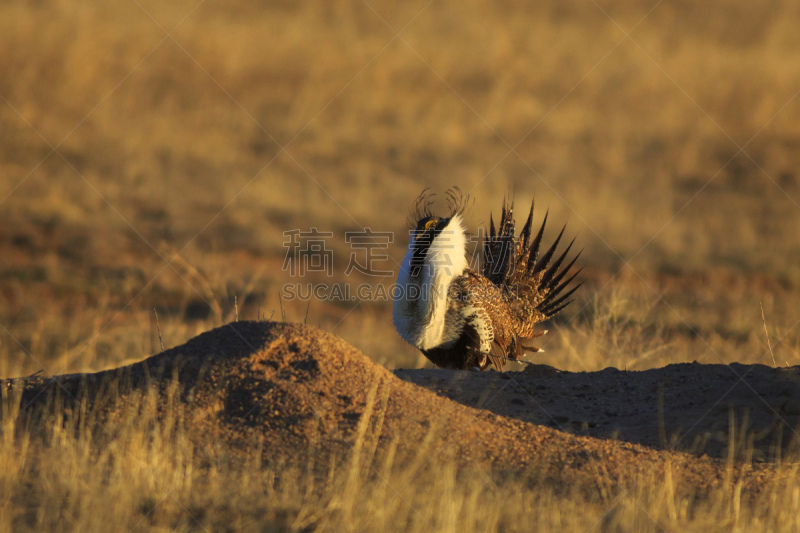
<point x="153" y="154"/>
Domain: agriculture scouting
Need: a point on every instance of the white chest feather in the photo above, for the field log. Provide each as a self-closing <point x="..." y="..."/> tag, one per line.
<point x="421" y="303"/>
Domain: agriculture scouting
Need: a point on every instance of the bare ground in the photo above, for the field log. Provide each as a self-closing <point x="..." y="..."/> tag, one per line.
<point x="299" y="392"/>
<point x="701" y="409"/>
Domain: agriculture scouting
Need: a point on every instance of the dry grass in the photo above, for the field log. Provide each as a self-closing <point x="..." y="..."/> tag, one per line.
<point x="169" y="189"/>
<point x="142" y="474"/>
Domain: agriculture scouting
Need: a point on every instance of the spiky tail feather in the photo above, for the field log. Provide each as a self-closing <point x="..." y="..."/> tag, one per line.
<point x="512" y="262"/>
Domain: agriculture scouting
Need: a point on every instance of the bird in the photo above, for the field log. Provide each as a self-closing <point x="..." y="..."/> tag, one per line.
<point x="477" y="318"/>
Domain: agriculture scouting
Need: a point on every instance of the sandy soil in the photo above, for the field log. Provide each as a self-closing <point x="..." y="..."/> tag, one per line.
<point x="298" y="391"/>
<point x="689" y="407"/>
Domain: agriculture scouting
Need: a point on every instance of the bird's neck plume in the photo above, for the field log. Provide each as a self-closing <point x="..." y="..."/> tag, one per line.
<point x="421" y="303"/>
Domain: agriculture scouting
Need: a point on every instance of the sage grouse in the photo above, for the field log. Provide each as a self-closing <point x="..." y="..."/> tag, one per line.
<point x="463" y="319"/>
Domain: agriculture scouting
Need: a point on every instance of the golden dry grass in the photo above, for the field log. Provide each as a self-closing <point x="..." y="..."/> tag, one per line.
<point x="171" y="147"/>
<point x="68" y="473"/>
<point x="179" y="161"/>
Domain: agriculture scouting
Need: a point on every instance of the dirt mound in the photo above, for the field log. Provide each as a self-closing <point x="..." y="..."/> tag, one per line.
<point x="298" y="390"/>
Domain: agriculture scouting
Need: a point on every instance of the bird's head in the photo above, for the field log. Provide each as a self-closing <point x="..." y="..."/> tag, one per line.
<point x="431" y="234"/>
<point x="438" y="243"/>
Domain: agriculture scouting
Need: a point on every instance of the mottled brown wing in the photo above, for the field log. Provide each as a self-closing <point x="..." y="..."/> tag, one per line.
<point x="490" y="316"/>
